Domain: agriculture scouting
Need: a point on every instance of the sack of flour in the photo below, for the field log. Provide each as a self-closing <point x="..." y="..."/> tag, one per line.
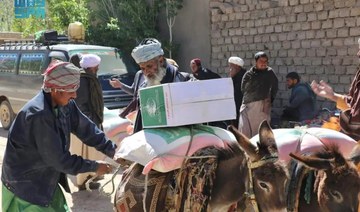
<point x="164" y="149"/>
<point x="308" y="140"/>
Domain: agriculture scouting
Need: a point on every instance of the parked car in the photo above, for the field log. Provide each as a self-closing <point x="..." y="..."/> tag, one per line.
<point x="22" y="65"/>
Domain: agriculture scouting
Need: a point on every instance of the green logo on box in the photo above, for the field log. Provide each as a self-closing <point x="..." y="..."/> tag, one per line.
<point x="172" y="134"/>
<point x="152" y="104"/>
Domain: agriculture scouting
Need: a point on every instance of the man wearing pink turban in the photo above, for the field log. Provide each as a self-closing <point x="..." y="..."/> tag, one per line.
<point x="37" y="156"/>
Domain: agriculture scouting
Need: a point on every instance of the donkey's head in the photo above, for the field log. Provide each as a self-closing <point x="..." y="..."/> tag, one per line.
<point x="355" y="156"/>
<point x="269" y="175"/>
<point x="338" y="182"/>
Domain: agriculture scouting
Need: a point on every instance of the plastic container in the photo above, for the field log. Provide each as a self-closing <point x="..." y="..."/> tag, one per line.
<point x="76" y="32"/>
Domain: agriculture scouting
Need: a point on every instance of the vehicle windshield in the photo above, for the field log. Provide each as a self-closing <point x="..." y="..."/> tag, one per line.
<point x="111" y="61"/>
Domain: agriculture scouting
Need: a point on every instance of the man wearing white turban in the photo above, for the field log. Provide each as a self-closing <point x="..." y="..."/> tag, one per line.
<point x="90" y="101"/>
<point x="236" y="72"/>
<point x="154" y="69"/>
<point x="89" y="95"/>
<point x="89" y="61"/>
<point x="37" y="156"/>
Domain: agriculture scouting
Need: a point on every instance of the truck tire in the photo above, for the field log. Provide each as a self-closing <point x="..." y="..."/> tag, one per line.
<point x="6" y="114"/>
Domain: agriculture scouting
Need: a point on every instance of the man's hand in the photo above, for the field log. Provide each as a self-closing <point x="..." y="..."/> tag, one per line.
<point x="123" y="162"/>
<point x="103" y="168"/>
<point x="115" y="83"/>
<point x="323" y="89"/>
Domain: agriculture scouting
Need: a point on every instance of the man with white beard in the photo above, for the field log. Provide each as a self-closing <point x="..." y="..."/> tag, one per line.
<point x="155" y="69"/>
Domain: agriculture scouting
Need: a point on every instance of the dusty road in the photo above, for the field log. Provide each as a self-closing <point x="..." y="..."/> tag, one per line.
<point x="78" y="201"/>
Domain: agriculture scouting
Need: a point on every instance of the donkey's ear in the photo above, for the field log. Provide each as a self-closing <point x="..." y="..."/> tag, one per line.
<point x="314" y="162"/>
<point x="355" y="155"/>
<point x="244" y="142"/>
<point x="266" y="137"/>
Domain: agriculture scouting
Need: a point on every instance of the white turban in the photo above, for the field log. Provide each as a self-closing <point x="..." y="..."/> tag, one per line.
<point x="237" y="61"/>
<point x="89" y="60"/>
<point x="145" y="52"/>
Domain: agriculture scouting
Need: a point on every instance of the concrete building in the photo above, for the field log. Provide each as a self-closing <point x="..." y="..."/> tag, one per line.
<point x="316" y="38"/>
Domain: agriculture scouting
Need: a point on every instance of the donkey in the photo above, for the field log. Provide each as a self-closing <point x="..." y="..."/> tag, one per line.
<point x="336" y="186"/>
<point x="355" y="156"/>
<point x="241" y="169"/>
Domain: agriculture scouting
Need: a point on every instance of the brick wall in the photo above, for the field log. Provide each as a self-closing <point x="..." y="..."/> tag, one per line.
<point x="316" y="38"/>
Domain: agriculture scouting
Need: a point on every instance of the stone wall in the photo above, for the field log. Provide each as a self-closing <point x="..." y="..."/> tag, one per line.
<point x="316" y="38"/>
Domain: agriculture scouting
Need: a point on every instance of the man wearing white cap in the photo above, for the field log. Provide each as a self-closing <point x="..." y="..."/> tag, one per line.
<point x="155" y="69"/>
<point x="89" y="95"/>
<point x="90" y="101"/>
<point x="237" y="71"/>
<point x="37" y="156"/>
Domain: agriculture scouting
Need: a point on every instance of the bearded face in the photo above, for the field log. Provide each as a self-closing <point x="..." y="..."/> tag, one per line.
<point x="291" y="83"/>
<point x="262" y="63"/>
<point x="157" y="77"/>
<point x="153" y="71"/>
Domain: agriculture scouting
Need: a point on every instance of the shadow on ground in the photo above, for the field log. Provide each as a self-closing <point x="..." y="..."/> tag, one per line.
<point x="84" y="201"/>
<point x="94" y="201"/>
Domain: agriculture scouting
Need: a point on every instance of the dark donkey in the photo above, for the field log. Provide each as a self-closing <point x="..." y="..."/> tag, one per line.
<point x="336" y="183"/>
<point x="259" y="174"/>
<point x="355" y="156"/>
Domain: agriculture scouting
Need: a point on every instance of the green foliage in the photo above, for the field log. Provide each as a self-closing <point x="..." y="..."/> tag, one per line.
<point x="60" y="14"/>
<point x="118" y="23"/>
<point x="173" y="6"/>
<point x="105" y="34"/>
<point x="6" y="14"/>
<point x="171" y="10"/>
<point x="29" y="25"/>
<point x="123" y="23"/>
<point x="63" y="12"/>
<point x="170" y="47"/>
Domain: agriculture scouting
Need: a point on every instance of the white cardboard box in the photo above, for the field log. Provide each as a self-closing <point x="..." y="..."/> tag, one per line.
<point x="184" y="103"/>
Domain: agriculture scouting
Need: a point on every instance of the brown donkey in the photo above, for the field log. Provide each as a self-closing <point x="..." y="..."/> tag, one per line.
<point x="336" y="184"/>
<point x="250" y="170"/>
<point x="355" y="156"/>
<point x="263" y="177"/>
<point x="269" y="177"/>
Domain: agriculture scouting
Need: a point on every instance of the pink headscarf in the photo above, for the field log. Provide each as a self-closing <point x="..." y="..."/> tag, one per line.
<point x="62" y="76"/>
<point x="197" y="61"/>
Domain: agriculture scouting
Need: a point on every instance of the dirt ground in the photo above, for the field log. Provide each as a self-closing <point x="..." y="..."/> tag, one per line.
<point x="93" y="200"/>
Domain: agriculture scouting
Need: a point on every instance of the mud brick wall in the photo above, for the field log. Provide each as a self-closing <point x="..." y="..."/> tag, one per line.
<point x="316" y="38"/>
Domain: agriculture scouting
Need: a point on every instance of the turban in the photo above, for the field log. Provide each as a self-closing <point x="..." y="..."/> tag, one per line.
<point x="62" y="76"/>
<point x="197" y="61"/>
<point x="147" y="50"/>
<point x="237" y="61"/>
<point x="89" y="60"/>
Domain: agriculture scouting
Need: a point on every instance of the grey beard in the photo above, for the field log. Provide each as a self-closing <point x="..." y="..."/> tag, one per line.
<point x="156" y="78"/>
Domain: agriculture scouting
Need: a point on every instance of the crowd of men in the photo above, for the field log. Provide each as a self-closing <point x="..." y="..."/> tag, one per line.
<point x="37" y="157"/>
